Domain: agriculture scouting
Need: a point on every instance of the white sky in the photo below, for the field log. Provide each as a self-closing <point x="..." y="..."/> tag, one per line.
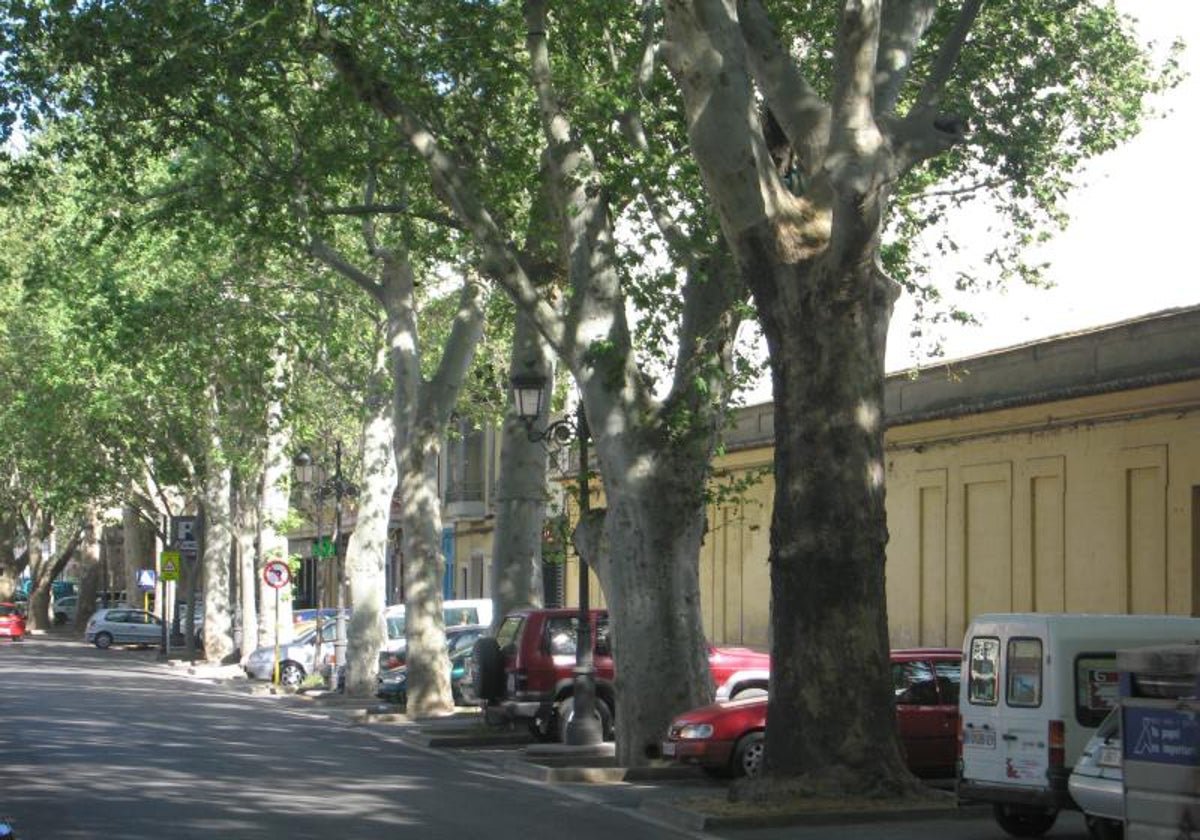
<point x="1129" y="249"/>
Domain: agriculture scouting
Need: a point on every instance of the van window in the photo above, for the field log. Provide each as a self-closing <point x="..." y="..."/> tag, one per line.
<point x="1097" y="689"/>
<point x="983" y="685"/>
<point x="562" y="634"/>
<point x="457" y="616"/>
<point x="1024" y="671"/>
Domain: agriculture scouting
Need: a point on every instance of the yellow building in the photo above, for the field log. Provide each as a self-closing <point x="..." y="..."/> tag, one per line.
<point x="1061" y="475"/>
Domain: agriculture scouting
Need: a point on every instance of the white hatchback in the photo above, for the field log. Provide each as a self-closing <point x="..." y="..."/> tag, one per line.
<point x="1095" y="782"/>
<point x="123" y="626"/>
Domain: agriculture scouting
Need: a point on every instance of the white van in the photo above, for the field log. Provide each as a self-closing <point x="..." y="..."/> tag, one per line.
<point x="454" y="613"/>
<point x="1035" y="687"/>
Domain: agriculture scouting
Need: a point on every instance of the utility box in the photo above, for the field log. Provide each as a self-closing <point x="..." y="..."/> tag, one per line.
<point x="1160" y="731"/>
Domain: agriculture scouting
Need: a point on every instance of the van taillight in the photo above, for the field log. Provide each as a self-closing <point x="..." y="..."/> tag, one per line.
<point x="1058" y="743"/>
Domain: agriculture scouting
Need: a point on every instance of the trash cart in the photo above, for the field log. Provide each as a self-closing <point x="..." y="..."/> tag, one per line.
<point x="1160" y="726"/>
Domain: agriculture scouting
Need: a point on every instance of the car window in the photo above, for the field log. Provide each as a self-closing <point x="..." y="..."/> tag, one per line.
<point x="603" y="640"/>
<point x="949" y="677"/>
<point x="510" y="631"/>
<point x="913" y="684"/>
<point x="464" y="641"/>
<point x="1097" y="687"/>
<point x="562" y="633"/>
<point x="117" y="616"/>
<point x="5" y="609"/>
<point x="983" y="681"/>
<point x="395" y="627"/>
<point x="456" y="616"/>
<point x="1024" y="670"/>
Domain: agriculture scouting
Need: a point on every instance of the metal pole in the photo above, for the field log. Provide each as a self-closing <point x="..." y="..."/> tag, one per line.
<point x="339" y="644"/>
<point x="275" y="676"/>
<point x="584" y="727"/>
<point x="318" y="566"/>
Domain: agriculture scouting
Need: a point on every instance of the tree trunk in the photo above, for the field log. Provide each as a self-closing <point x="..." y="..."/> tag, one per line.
<point x="366" y="554"/>
<point x="218" y="556"/>
<point x="429" y="692"/>
<point x="139" y="551"/>
<point x="273" y="508"/>
<point x="828" y="538"/>
<point x="521" y="487"/>
<point x="247" y="533"/>
<point x="648" y="567"/>
<point x="89" y="576"/>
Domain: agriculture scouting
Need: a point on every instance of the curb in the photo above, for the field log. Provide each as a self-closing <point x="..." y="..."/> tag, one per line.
<point x="690" y="820"/>
<point x="595" y="774"/>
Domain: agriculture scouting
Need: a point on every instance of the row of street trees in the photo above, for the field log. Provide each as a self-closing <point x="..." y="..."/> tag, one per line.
<point x="252" y="206"/>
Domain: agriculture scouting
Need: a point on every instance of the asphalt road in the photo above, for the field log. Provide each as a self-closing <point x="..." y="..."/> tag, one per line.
<point x="111" y="744"/>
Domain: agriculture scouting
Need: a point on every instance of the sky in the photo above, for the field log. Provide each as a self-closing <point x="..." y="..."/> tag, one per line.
<point x="1126" y="251"/>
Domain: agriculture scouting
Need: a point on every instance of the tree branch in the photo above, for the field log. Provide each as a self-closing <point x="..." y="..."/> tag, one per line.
<point x="334" y="259"/>
<point x="441" y="394"/>
<point x="500" y="262"/>
<point x="904" y="23"/>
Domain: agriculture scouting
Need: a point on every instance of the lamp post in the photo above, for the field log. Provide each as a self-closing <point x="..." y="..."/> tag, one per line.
<point x="584" y="728"/>
<point x="338" y="488"/>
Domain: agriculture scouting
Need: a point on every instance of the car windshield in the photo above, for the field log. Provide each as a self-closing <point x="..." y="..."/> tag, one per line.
<point x="7" y="609"/>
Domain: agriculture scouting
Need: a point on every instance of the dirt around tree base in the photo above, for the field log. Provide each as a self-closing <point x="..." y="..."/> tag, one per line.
<point x="787" y="797"/>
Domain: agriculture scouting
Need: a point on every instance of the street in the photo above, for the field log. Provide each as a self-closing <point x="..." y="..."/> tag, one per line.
<point x="112" y="744"/>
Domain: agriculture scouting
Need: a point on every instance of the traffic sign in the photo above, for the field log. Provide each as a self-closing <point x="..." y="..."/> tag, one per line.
<point x="323" y="548"/>
<point x="146" y="580"/>
<point x="170" y="565"/>
<point x="276" y="574"/>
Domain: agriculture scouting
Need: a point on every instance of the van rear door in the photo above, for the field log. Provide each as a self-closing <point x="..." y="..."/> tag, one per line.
<point x="979" y="709"/>
<point x="1025" y="737"/>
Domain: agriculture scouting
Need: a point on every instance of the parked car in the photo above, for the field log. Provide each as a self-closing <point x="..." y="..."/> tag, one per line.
<point x="1096" y="781"/>
<point x="393" y="682"/>
<point x="297" y="658"/>
<point x="12" y="622"/>
<point x="726" y="738"/>
<point x="1037" y="686"/>
<point x="527" y="670"/>
<point x="64" y="608"/>
<point x="123" y="626"/>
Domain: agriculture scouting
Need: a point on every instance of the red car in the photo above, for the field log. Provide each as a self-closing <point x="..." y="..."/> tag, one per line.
<point x="12" y="623"/>
<point x="527" y="671"/>
<point x="727" y="738"/>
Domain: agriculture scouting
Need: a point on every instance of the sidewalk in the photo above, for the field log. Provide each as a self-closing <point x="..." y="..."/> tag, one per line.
<point x="669" y="793"/>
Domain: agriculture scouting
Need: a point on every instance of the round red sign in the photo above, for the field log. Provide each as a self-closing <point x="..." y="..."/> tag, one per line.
<point x="276" y="574"/>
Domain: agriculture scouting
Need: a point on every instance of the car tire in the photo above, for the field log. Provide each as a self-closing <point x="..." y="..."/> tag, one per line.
<point x="1023" y="821"/>
<point x="489" y="669"/>
<point x="103" y="640"/>
<point x="566" y="710"/>
<point x="747" y="761"/>
<point x="291" y="674"/>
<point x="1100" y="828"/>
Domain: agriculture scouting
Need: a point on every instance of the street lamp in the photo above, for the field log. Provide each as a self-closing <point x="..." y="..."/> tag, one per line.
<point x="584" y="728"/>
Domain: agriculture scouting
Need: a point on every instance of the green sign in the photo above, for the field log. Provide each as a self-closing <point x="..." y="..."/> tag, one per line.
<point x="323" y="548"/>
<point x="170" y="565"/>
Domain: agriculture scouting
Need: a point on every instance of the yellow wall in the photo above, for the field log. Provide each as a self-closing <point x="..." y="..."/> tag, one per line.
<point x="1084" y="505"/>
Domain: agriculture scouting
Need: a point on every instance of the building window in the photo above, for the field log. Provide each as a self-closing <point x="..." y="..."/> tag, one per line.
<point x="465" y="464"/>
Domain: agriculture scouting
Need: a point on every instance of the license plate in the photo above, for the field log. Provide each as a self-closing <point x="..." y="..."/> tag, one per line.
<point x="668" y="748"/>
<point x="1110" y="756"/>
<point x="985" y="739"/>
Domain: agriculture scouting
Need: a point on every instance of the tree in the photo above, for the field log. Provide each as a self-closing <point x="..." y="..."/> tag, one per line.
<point x="873" y="113"/>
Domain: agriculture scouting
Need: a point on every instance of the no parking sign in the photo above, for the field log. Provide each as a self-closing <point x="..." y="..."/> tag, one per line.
<point x="276" y="574"/>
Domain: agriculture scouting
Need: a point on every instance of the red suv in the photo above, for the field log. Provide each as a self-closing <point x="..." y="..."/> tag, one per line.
<point x="527" y="670"/>
<point x="727" y="738"/>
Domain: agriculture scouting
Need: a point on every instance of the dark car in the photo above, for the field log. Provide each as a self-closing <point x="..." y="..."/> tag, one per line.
<point x="393" y="682"/>
<point x="12" y="622"/>
<point x="727" y="738"/>
<point x="527" y="670"/>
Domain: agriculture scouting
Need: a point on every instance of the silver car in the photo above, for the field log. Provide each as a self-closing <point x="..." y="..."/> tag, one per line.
<point x="1095" y="781"/>
<point x="296" y="658"/>
<point x="123" y="626"/>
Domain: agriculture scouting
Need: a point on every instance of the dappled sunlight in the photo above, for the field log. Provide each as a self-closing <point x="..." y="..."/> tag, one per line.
<point x="868" y="416"/>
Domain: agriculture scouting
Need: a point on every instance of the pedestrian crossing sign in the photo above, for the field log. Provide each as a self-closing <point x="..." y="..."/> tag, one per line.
<point x="170" y="565"/>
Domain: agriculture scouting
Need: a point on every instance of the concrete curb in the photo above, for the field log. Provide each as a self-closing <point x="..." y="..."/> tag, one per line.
<point x="592" y="774"/>
<point x="693" y="820"/>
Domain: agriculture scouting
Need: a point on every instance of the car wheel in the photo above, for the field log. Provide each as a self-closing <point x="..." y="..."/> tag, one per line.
<point x="1100" y="828"/>
<point x="104" y="640"/>
<point x="1023" y="821"/>
<point x="566" y="710"/>
<point x="290" y="674"/>
<point x="748" y="756"/>
<point x="489" y="669"/>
